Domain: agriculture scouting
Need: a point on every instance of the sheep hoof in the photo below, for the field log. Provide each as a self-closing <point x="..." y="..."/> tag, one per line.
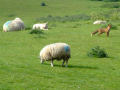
<point x="51" y="66"/>
<point x="41" y="62"/>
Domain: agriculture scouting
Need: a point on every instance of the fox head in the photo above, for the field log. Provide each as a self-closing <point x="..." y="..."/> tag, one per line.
<point x="109" y="25"/>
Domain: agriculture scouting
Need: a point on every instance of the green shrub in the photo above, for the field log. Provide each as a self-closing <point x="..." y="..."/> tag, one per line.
<point x="36" y="32"/>
<point x="43" y="4"/>
<point x="97" y="52"/>
<point x="27" y="28"/>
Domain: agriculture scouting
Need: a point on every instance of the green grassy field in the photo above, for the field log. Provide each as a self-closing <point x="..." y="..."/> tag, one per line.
<point x="20" y="67"/>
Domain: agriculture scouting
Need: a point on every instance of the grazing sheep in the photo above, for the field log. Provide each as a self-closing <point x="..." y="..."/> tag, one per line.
<point x="56" y="51"/>
<point x="99" y="22"/>
<point x="13" y="25"/>
<point x="40" y="26"/>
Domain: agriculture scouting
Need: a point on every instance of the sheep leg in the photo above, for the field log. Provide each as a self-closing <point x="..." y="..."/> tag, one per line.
<point x="51" y="63"/>
<point x="63" y="63"/>
<point x="41" y="61"/>
<point x="66" y="63"/>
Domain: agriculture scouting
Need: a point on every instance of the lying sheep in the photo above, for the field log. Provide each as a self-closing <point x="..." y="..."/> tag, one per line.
<point x="99" y="22"/>
<point x="40" y="26"/>
<point x="56" y="51"/>
<point x="16" y="24"/>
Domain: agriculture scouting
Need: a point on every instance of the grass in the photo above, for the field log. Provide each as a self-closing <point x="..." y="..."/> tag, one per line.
<point x="20" y="67"/>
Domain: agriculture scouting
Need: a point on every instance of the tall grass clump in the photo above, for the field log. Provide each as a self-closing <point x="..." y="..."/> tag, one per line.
<point x="111" y="5"/>
<point x="98" y="16"/>
<point x="97" y="52"/>
<point x="113" y="14"/>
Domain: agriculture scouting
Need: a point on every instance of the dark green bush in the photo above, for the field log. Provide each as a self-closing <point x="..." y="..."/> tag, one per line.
<point x="36" y="32"/>
<point x="27" y="28"/>
<point x="43" y="4"/>
<point x="97" y="52"/>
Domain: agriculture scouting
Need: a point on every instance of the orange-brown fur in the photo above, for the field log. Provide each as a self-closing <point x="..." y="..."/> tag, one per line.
<point x="102" y="30"/>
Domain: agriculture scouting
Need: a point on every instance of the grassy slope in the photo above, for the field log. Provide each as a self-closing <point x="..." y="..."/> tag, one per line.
<point x="20" y="68"/>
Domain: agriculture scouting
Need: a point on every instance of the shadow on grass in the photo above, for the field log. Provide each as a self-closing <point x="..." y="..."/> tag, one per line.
<point x="73" y="66"/>
<point x="28" y="28"/>
<point x="84" y="67"/>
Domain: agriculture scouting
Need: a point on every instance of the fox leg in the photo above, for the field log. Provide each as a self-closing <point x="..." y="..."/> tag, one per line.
<point x="107" y="34"/>
<point x="99" y="33"/>
<point x="91" y="34"/>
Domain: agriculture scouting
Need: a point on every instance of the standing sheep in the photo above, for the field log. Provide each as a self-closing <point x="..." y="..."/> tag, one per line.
<point x="16" y="24"/>
<point x="40" y="26"/>
<point x="56" y="51"/>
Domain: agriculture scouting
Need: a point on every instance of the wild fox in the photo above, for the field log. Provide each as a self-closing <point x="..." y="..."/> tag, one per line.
<point x="103" y="30"/>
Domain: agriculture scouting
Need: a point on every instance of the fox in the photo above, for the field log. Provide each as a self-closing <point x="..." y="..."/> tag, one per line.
<point x="102" y="30"/>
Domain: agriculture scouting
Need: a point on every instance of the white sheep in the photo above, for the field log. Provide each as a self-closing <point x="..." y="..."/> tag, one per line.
<point x="16" y="24"/>
<point x="40" y="26"/>
<point x="99" y="22"/>
<point x="56" y="51"/>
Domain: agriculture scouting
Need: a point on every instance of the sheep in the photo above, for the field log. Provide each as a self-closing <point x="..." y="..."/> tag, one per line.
<point x="99" y="22"/>
<point x="16" y="24"/>
<point x="56" y="51"/>
<point x="40" y="26"/>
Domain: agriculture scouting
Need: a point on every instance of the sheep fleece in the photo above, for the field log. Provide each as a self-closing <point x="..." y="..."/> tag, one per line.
<point x="55" y="51"/>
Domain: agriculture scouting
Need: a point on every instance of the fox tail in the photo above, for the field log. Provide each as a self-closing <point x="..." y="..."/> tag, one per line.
<point x="94" y="33"/>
